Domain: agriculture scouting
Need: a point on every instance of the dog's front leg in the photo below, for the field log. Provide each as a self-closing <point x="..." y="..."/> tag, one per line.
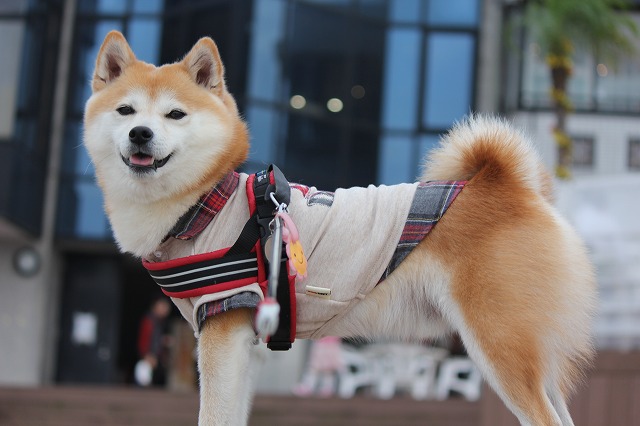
<point x="225" y="350"/>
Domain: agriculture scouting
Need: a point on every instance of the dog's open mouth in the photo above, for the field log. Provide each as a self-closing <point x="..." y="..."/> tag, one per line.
<point x="144" y="163"/>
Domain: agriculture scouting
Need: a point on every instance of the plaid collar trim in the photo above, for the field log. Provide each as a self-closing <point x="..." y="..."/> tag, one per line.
<point x="202" y="213"/>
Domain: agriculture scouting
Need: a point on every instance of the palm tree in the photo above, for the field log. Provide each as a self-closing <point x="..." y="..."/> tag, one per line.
<point x="561" y="26"/>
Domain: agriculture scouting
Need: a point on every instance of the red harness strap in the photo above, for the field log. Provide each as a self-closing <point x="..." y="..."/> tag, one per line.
<point x="240" y="265"/>
<point x="260" y="205"/>
<point x="206" y="273"/>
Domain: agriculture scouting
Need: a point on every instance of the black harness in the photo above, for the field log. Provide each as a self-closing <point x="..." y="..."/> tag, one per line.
<point x="244" y="263"/>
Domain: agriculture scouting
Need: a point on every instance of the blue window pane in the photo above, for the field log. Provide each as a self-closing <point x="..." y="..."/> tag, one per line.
<point x="402" y="62"/>
<point x="265" y="67"/>
<point x="448" y="92"/>
<point x="91" y="221"/>
<point x="12" y="35"/>
<point x="14" y="6"/>
<point x="331" y="2"/>
<point x="111" y="6"/>
<point x="263" y="123"/>
<point x="144" y="37"/>
<point x="452" y="12"/>
<point x="426" y="144"/>
<point x="396" y="160"/>
<point x="75" y="159"/>
<point x="404" y="10"/>
<point x="373" y="8"/>
<point x="87" y="62"/>
<point x="147" y="6"/>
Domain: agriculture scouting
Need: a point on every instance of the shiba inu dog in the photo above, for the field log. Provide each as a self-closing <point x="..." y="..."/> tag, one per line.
<point x="500" y="267"/>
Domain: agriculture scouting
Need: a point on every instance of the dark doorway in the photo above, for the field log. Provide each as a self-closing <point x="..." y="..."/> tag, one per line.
<point x="138" y="292"/>
<point x="89" y="320"/>
<point x="103" y="300"/>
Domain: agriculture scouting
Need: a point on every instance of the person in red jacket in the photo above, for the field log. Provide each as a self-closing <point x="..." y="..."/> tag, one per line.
<point x="153" y="340"/>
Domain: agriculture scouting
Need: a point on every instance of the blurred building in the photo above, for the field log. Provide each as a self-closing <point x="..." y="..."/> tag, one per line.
<point x="336" y="92"/>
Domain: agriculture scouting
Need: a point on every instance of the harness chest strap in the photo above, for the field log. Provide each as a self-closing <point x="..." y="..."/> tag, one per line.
<point x="260" y="187"/>
<point x="240" y="265"/>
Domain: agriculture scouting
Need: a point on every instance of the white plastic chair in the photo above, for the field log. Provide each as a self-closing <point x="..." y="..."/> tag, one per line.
<point x="405" y="366"/>
<point x="461" y="375"/>
<point x="358" y="371"/>
<point x="423" y="367"/>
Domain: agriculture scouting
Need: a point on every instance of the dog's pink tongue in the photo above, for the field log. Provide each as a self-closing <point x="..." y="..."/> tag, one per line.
<point x="141" y="160"/>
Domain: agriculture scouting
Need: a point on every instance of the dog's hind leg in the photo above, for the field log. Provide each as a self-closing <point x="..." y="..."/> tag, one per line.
<point x="225" y="351"/>
<point x="523" y="315"/>
<point x="559" y="402"/>
<point x="514" y="367"/>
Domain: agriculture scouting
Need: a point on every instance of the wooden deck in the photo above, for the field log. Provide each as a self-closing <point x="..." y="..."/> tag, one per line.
<point x="610" y="397"/>
<point x="88" y="406"/>
<point x="112" y="406"/>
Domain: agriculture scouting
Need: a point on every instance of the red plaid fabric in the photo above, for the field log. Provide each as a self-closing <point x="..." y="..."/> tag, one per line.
<point x="430" y="202"/>
<point x="200" y="215"/>
<point x="245" y="299"/>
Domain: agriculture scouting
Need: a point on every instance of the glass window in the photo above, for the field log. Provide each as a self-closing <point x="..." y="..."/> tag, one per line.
<point x="337" y="3"/>
<point x="147" y="6"/>
<point x="103" y="6"/>
<point x="12" y="34"/>
<point x="332" y="93"/>
<point x="404" y="10"/>
<point x="92" y="33"/>
<point x="143" y="36"/>
<point x="30" y="31"/>
<point x="265" y="59"/>
<point x="427" y="143"/>
<point x="452" y="12"/>
<point x="593" y="86"/>
<point x="362" y="91"/>
<point x="264" y="134"/>
<point x="396" y="160"/>
<point x="373" y="8"/>
<point x="312" y="152"/>
<point x="583" y="151"/>
<point x="13" y="6"/>
<point x="318" y="59"/>
<point x="536" y="81"/>
<point x="634" y="154"/>
<point x="75" y="159"/>
<point x="618" y="88"/>
<point x="402" y="65"/>
<point x="449" y="78"/>
<point x="90" y="220"/>
<point x="581" y="85"/>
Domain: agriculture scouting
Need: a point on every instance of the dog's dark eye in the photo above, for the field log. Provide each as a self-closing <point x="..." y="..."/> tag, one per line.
<point x="125" y="110"/>
<point x="175" y="114"/>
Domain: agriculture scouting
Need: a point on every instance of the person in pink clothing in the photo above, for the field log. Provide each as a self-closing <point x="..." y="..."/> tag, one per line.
<point x="325" y="360"/>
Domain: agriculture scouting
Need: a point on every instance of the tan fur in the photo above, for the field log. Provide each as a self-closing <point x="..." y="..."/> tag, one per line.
<point x="509" y="263"/>
<point x="225" y="344"/>
<point x="501" y="268"/>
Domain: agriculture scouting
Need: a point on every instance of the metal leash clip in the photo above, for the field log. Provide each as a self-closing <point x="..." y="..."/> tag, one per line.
<point x="268" y="313"/>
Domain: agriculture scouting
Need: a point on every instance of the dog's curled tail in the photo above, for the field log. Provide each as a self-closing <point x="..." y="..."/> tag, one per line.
<point x="488" y="145"/>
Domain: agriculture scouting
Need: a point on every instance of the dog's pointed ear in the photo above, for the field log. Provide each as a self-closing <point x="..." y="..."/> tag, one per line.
<point x="205" y="66"/>
<point x="114" y="56"/>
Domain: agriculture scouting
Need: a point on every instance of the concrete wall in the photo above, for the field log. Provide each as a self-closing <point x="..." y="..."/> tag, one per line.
<point x="26" y="307"/>
<point x="282" y="370"/>
<point x="489" y="79"/>
<point x="29" y="306"/>
<point x="611" y="136"/>
<point x="604" y="210"/>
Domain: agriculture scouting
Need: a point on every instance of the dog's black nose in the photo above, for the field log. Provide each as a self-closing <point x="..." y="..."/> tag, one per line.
<point x="140" y="135"/>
